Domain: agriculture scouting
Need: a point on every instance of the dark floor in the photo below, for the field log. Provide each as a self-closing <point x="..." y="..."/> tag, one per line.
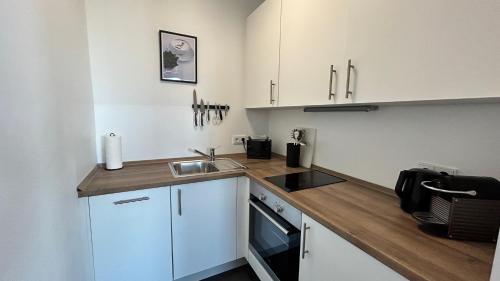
<point x="242" y="273"/>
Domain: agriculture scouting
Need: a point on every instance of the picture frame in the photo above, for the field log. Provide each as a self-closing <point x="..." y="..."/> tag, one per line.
<point x="178" y="57"/>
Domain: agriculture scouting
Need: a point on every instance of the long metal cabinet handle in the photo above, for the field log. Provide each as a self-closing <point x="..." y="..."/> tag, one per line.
<point x="469" y="192"/>
<point x="179" y="202"/>
<point x="332" y="72"/>
<point x="130" y="200"/>
<point x="347" y="87"/>
<point x="273" y="221"/>
<point x="304" y="251"/>
<point x="271" y="88"/>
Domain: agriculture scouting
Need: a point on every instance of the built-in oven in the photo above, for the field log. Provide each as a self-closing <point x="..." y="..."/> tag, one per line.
<point x="274" y="240"/>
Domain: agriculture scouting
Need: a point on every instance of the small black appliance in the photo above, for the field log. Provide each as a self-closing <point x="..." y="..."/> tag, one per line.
<point x="258" y="148"/>
<point x="413" y="196"/>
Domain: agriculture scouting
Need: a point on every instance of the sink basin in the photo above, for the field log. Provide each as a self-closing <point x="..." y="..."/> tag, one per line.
<point x="188" y="168"/>
<point x="203" y="167"/>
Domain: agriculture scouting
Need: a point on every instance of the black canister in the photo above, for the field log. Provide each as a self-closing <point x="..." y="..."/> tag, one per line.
<point x="292" y="154"/>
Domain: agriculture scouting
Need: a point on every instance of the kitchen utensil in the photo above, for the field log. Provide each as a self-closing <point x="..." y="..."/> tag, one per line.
<point x="202" y="110"/>
<point x="195" y="109"/>
<point x="217" y="115"/>
<point x="208" y="112"/>
<point x="220" y="113"/>
<point x="214" y="118"/>
<point x="297" y="135"/>
<point x="307" y="150"/>
<point x="226" y="108"/>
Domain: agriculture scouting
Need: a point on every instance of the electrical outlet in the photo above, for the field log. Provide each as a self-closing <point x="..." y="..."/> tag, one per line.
<point x="236" y="139"/>
<point x="438" y="168"/>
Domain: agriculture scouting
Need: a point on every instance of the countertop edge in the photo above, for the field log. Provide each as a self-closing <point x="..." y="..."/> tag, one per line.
<point x="176" y="181"/>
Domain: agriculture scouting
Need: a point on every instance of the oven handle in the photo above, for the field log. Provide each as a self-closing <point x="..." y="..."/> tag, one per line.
<point x="279" y="226"/>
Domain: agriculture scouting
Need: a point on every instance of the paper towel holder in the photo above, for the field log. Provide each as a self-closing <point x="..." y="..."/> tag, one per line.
<point x="113" y="151"/>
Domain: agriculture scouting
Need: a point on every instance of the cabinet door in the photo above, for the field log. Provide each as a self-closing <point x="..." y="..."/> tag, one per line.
<point x="405" y="50"/>
<point x="243" y="214"/>
<point x="495" y="271"/>
<point x="262" y="55"/>
<point x="313" y="39"/>
<point x="203" y="225"/>
<point x="330" y="257"/>
<point x="131" y="235"/>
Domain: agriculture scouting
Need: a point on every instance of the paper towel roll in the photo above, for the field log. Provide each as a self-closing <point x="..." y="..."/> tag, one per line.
<point x="113" y="150"/>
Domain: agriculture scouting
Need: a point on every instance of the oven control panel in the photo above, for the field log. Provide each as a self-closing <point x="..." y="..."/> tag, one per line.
<point x="278" y="205"/>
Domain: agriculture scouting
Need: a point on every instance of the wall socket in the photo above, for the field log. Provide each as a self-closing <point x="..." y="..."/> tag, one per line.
<point x="236" y="139"/>
<point x="438" y="168"/>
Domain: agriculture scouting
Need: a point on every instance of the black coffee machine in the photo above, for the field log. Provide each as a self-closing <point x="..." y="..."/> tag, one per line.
<point x="459" y="207"/>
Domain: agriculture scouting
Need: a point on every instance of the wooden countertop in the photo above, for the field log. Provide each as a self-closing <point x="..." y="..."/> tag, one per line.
<point x="365" y="214"/>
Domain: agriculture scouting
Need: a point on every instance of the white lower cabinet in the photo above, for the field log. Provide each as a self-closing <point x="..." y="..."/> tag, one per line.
<point x="329" y="257"/>
<point x="203" y="225"/>
<point x="131" y="235"/>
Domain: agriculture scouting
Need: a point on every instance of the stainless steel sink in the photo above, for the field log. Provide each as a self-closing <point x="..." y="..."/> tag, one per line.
<point x="203" y="167"/>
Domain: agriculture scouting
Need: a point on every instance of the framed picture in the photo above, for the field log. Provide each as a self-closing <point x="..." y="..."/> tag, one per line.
<point x="178" y="57"/>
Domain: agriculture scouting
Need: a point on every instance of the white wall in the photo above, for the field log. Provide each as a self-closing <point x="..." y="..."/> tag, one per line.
<point x="375" y="146"/>
<point x="155" y="118"/>
<point x="47" y="140"/>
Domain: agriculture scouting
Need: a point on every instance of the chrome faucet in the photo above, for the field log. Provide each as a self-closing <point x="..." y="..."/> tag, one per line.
<point x="210" y="156"/>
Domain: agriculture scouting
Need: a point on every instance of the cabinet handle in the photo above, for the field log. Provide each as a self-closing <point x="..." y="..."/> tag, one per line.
<point x="130" y="200"/>
<point x="347" y="87"/>
<point x="179" y="202"/>
<point x="332" y="72"/>
<point x="304" y="251"/>
<point x="271" y="88"/>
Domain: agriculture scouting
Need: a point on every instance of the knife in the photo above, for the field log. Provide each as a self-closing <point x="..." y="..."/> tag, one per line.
<point x="208" y="112"/>
<point x="195" y="108"/>
<point x="202" y="110"/>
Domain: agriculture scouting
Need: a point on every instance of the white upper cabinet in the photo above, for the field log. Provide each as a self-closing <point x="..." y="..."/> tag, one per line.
<point x="328" y="256"/>
<point x="313" y="39"/>
<point x="407" y="50"/>
<point x="400" y="51"/>
<point x="262" y="55"/>
<point x="203" y="225"/>
<point x="131" y="235"/>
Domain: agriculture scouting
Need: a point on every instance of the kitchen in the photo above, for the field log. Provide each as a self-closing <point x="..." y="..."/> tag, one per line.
<point x="75" y="71"/>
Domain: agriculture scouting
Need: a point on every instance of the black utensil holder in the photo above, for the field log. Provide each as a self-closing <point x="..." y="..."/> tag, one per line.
<point x="292" y="155"/>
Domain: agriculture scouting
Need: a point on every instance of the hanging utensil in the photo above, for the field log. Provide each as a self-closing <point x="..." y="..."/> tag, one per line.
<point x="208" y="112"/>
<point x="195" y="109"/>
<point x="216" y="119"/>
<point x="202" y="110"/>
<point x="220" y="113"/>
<point x="226" y="109"/>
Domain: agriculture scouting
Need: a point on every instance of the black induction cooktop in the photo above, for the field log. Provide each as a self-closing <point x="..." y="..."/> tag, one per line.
<point x="304" y="180"/>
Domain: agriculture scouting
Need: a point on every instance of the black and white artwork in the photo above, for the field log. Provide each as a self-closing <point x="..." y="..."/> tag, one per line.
<point x="178" y="53"/>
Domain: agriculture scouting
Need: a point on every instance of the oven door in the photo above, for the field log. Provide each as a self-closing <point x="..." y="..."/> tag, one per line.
<point x="274" y="242"/>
